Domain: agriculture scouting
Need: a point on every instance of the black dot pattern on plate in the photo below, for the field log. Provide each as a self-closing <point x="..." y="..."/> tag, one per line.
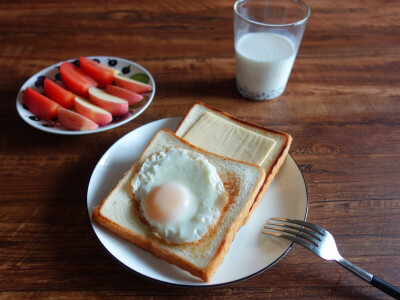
<point x="76" y="63"/>
<point x="96" y="60"/>
<point x="126" y="70"/>
<point x="34" y="118"/>
<point x="39" y="83"/>
<point x="112" y="62"/>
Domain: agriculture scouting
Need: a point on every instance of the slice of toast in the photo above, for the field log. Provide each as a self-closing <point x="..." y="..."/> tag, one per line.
<point x="272" y="162"/>
<point x="242" y="182"/>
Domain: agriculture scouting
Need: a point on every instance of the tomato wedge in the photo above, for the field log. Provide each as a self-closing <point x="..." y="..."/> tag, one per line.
<point x="40" y="105"/>
<point x="102" y="74"/>
<point x="76" y="80"/>
<point x="58" y="93"/>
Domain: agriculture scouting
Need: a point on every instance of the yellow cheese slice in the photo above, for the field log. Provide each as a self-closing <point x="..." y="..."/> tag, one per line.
<point x="225" y="138"/>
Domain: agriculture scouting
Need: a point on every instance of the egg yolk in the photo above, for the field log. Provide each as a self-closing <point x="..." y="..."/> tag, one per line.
<point x="167" y="203"/>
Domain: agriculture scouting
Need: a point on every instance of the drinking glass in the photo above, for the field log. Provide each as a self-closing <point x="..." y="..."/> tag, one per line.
<point x="267" y="37"/>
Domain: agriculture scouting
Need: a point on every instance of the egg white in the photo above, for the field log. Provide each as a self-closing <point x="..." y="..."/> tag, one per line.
<point x="198" y="176"/>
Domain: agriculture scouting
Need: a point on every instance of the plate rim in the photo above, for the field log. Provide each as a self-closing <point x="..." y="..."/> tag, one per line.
<point x="20" y="105"/>
<point x="175" y="284"/>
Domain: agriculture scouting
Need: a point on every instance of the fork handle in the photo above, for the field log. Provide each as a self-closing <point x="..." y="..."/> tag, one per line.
<point x="385" y="287"/>
<point x="373" y="280"/>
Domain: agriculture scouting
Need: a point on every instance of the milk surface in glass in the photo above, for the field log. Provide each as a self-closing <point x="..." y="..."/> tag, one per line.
<point x="263" y="64"/>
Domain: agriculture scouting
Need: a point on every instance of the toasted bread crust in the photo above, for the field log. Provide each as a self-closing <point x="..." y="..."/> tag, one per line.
<point x="148" y="245"/>
<point x="270" y="175"/>
<point x="152" y="244"/>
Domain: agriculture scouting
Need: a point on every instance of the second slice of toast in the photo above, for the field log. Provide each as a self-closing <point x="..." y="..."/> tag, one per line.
<point x="272" y="163"/>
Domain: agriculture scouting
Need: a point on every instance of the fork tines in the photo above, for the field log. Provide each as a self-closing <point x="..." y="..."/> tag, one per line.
<point x="321" y="243"/>
<point x="306" y="234"/>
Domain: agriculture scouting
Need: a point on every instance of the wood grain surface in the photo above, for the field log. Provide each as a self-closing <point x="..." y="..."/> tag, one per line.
<point x="341" y="105"/>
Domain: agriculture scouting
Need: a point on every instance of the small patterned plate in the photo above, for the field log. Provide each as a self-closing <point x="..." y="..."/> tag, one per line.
<point x="126" y="67"/>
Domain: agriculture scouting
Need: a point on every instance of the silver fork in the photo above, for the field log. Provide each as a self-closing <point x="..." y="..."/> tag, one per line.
<point x="322" y="243"/>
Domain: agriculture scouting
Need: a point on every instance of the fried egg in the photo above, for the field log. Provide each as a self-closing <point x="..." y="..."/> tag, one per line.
<point x="180" y="194"/>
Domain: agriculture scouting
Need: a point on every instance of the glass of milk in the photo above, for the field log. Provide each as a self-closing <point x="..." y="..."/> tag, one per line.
<point x="267" y="36"/>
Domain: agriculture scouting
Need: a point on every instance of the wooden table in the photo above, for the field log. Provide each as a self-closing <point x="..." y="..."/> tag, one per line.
<point x="342" y="107"/>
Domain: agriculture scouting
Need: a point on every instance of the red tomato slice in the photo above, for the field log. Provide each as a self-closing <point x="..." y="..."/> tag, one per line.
<point x="40" y="105"/>
<point x="58" y="93"/>
<point x="76" y="80"/>
<point x="102" y="74"/>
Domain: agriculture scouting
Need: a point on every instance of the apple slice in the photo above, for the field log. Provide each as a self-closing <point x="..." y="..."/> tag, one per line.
<point x="74" y="121"/>
<point x="116" y="106"/>
<point x="125" y="94"/>
<point x="131" y="84"/>
<point x="93" y="112"/>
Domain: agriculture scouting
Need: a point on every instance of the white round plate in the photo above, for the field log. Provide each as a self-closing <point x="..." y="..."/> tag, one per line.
<point x="250" y="253"/>
<point x="126" y="67"/>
